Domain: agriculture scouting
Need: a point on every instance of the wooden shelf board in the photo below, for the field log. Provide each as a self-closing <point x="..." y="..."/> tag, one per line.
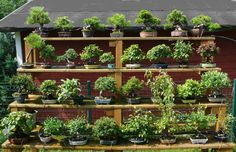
<point x="124" y="38"/>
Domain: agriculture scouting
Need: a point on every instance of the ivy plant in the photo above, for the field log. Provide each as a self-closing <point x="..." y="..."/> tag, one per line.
<point x="90" y="53"/>
<point x="131" y="87"/>
<point x="133" y="54"/>
<point x="182" y="51"/>
<point x="158" y="52"/>
<point x="64" y="23"/>
<point x="204" y="21"/>
<point x="118" y="21"/>
<point x="105" y="84"/>
<point x="107" y="58"/>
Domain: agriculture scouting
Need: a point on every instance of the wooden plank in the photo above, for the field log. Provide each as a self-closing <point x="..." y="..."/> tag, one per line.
<point x="26" y="52"/>
<point x="221" y="117"/>
<point x="118" y="116"/>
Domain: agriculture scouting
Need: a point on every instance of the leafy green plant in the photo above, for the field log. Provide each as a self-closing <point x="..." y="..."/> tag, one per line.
<point x="92" y="23"/>
<point x="176" y="18"/>
<point x="105" y="84"/>
<point x="107" y="58"/>
<point x="48" y="52"/>
<point x="149" y="21"/>
<point x="182" y="51"/>
<point x="205" y="21"/>
<point x="35" y="41"/>
<point x="70" y="88"/>
<point x="69" y="56"/>
<point x="132" y="54"/>
<point x="106" y="128"/>
<point x="208" y="50"/>
<point x="118" y="21"/>
<point x="158" y="52"/>
<point x="17" y="124"/>
<point x="48" y="88"/>
<point x="53" y="126"/>
<point x="131" y="87"/>
<point x="64" y="23"/>
<point x="140" y="124"/>
<point x="190" y="89"/>
<point x="90" y="53"/>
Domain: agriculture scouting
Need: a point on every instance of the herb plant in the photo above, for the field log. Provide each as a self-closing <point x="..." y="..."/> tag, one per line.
<point x="182" y="51"/>
<point x="53" y="126"/>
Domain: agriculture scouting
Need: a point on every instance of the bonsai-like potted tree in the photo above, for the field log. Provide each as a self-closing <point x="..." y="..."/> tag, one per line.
<point x="48" y="52"/>
<point x="90" y="55"/>
<point x="139" y="126"/>
<point x="108" y="58"/>
<point x="189" y="91"/>
<point x="106" y="130"/>
<point x="38" y="15"/>
<point x="48" y="89"/>
<point x="92" y="24"/>
<point x="119" y="22"/>
<point x="130" y="90"/>
<point x="24" y="84"/>
<point x="69" y="90"/>
<point x="79" y="131"/>
<point x="207" y="51"/>
<point x="104" y="84"/>
<point x="202" y="22"/>
<point x="215" y="81"/>
<point x="178" y="20"/>
<point x="150" y="23"/>
<point x="132" y="56"/>
<point x="65" y="25"/>
<point x="157" y="53"/>
<point x="17" y="127"/>
<point x="69" y="56"/>
<point x="182" y="53"/>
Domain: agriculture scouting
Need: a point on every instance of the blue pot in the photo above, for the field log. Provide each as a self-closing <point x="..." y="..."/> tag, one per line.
<point x="111" y="66"/>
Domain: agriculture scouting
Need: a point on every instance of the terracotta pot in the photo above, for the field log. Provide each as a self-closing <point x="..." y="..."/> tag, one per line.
<point x="148" y="34"/>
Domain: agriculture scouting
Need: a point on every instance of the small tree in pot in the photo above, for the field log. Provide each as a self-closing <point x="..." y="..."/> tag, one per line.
<point x="104" y="84"/>
<point x="108" y="58"/>
<point x="106" y="130"/>
<point x="119" y="22"/>
<point x="149" y="21"/>
<point x="69" y="56"/>
<point x="48" y="52"/>
<point x="139" y="126"/>
<point x="130" y="88"/>
<point x="49" y="89"/>
<point x="17" y="127"/>
<point x="202" y="22"/>
<point x="207" y="51"/>
<point x="132" y="56"/>
<point x="89" y="55"/>
<point x="182" y="53"/>
<point x="177" y="20"/>
<point x="157" y="53"/>
<point x="65" y="25"/>
<point x="215" y="81"/>
<point x="38" y="15"/>
<point x="90" y="25"/>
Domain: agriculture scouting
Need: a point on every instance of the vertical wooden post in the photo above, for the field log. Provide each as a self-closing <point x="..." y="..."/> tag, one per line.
<point x="27" y="50"/>
<point x="118" y="116"/>
<point x="221" y="117"/>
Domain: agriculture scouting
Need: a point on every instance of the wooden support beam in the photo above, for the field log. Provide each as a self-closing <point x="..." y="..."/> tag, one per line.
<point x="118" y="116"/>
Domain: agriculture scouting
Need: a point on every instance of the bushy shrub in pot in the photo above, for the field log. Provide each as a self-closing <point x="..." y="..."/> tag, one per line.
<point x="65" y="25"/>
<point x="104" y="84"/>
<point x="48" y="52"/>
<point x="150" y="23"/>
<point x="132" y="56"/>
<point x="92" y="24"/>
<point x="106" y="130"/>
<point x="215" y="81"/>
<point x="108" y="58"/>
<point x="130" y="88"/>
<point x="157" y="53"/>
<point x="119" y="22"/>
<point x="48" y="88"/>
<point x="68" y="56"/>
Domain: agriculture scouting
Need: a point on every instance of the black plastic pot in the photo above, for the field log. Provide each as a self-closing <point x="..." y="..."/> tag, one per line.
<point x="27" y="66"/>
<point x="108" y="142"/>
<point x="78" y="100"/>
<point x="160" y="65"/>
<point x="87" y="33"/>
<point x="133" y="100"/>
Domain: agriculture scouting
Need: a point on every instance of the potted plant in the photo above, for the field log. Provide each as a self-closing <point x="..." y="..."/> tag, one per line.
<point x="38" y="15"/>
<point x="17" y="127"/>
<point x="104" y="84"/>
<point x="130" y="90"/>
<point x="108" y="58"/>
<point x="79" y="131"/>
<point x="69" y="90"/>
<point x="182" y="53"/>
<point x="207" y="51"/>
<point x="69" y="56"/>
<point x="89" y="55"/>
<point x="157" y="53"/>
<point x="139" y="126"/>
<point x="49" y="89"/>
<point x="119" y="22"/>
<point x="106" y="130"/>
<point x="189" y="91"/>
<point x="48" y="52"/>
<point x="149" y="21"/>
<point x="215" y="81"/>
<point x="24" y="84"/>
<point x="198" y="120"/>
<point x="65" y="25"/>
<point x="90" y="25"/>
<point x="132" y="56"/>
<point x="202" y="22"/>
<point x="178" y="20"/>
